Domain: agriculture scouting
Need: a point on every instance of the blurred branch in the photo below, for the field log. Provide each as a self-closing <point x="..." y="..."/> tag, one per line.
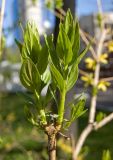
<point x="91" y="38"/>
<point x="83" y="72"/>
<point x="90" y="127"/>
<point x="1" y="23"/>
<point x="107" y="79"/>
<point x="96" y="76"/>
<point x="92" y="112"/>
<point x="87" y="42"/>
<point x="99" y="4"/>
<point x="104" y="121"/>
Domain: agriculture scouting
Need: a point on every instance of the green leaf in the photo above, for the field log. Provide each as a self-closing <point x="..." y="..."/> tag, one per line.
<point x="57" y="77"/>
<point x="29" y="75"/>
<point x="73" y="76"/>
<point x="43" y="117"/>
<point x="82" y="54"/>
<point x="19" y="44"/>
<point x="43" y="59"/>
<point x="72" y="30"/>
<point x="52" y="51"/>
<point x="106" y="155"/>
<point x="64" y="47"/>
<point x="31" y="46"/>
<point x="46" y="77"/>
<point x="75" y="41"/>
<point x="76" y="111"/>
<point x="58" y="4"/>
<point x="100" y="116"/>
<point x="68" y="22"/>
<point x="26" y="96"/>
<point x="76" y="99"/>
<point x="30" y="116"/>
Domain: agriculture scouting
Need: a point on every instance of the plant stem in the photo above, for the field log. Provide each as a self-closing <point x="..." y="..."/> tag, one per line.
<point x="61" y="105"/>
<point x="96" y="77"/>
<point x="52" y="147"/>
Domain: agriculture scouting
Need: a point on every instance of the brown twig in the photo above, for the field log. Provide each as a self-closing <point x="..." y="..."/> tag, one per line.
<point x="83" y="72"/>
<point x="107" y="79"/>
<point x="87" y="42"/>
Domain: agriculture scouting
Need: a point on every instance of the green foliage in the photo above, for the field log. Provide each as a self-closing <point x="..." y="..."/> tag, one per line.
<point x="106" y="155"/>
<point x="77" y="110"/>
<point x="100" y="116"/>
<point x="48" y="68"/>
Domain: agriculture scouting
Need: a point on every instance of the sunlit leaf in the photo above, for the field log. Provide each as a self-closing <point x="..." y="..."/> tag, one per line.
<point x="29" y="75"/>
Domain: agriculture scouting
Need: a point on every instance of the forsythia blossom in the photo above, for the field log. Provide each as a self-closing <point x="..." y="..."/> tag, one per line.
<point x="102" y="85"/>
<point x="90" y="63"/>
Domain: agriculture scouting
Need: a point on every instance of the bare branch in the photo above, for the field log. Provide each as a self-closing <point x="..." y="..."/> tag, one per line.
<point x="87" y="42"/>
<point x="83" y="72"/>
<point x="96" y="77"/>
<point x="87" y="131"/>
<point x="107" y="79"/>
<point x="104" y="121"/>
<point x="91" y="124"/>
<point x="81" y="140"/>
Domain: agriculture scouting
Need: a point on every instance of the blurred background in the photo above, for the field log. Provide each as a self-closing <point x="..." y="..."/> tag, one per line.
<point x="18" y="139"/>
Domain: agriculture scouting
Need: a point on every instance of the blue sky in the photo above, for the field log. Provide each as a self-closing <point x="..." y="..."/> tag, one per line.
<point x="84" y="7"/>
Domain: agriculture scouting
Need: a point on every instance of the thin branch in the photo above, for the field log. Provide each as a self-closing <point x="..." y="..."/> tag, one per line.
<point x="1" y="23"/>
<point x="91" y="124"/>
<point x="90" y="127"/>
<point x="83" y="72"/>
<point x="107" y="79"/>
<point x="104" y="121"/>
<point x="96" y="77"/>
<point x="81" y="140"/>
<point x="91" y="38"/>
<point x="64" y="136"/>
<point x="87" y="42"/>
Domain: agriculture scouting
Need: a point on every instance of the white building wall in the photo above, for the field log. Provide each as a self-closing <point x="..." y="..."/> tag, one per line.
<point x="35" y="13"/>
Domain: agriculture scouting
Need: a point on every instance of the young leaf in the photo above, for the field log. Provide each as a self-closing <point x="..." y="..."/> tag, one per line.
<point x="106" y="155"/>
<point x="52" y="51"/>
<point x="29" y="75"/>
<point x="43" y="59"/>
<point x="76" y="111"/>
<point x="46" y="77"/>
<point x="72" y="30"/>
<point x="57" y="77"/>
<point x="73" y="76"/>
<point x="75" y="42"/>
<point x="100" y="116"/>
<point x="31" y="45"/>
<point x="31" y="118"/>
<point x="64" y="47"/>
<point x="68" y="22"/>
<point x="82" y="54"/>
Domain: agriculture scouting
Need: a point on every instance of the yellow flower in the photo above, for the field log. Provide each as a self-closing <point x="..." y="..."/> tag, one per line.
<point x="90" y="63"/>
<point x="110" y="46"/>
<point x="88" y="79"/>
<point x="103" y="58"/>
<point x="102" y="85"/>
